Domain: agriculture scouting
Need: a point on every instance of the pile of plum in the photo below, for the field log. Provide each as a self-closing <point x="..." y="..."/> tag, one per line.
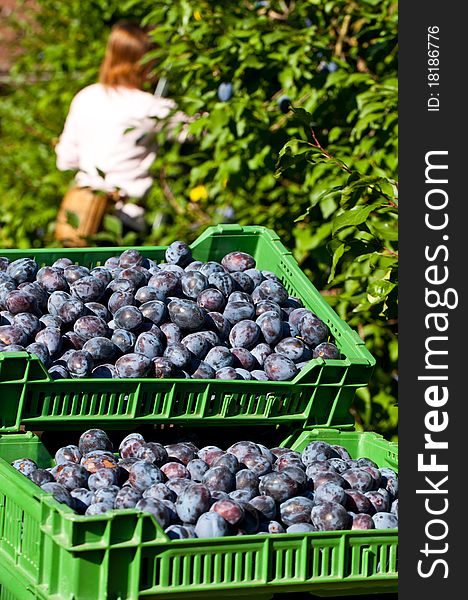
<point x="183" y="318"/>
<point x="208" y="492"/>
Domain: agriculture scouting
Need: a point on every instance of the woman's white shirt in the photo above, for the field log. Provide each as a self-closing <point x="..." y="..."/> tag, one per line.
<point x="109" y="137"/>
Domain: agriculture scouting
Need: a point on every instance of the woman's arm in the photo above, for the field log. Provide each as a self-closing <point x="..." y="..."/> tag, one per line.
<point x="67" y="147"/>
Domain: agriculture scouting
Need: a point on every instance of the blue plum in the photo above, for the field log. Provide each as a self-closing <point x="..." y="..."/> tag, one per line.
<point x="279" y="367"/>
<point x="193" y="284"/>
<point x="244" y="334"/>
<point x="219" y="357"/>
<point x="222" y="282"/>
<point x="186" y="314"/>
<point x="220" y="478"/>
<point x="178" y="354"/>
<point x="24" y="465"/>
<point x="266" y="506"/>
<point x="160" y="491"/>
<point x="225" y="91"/>
<point x="79" y="364"/>
<point x="59" y="492"/>
<point x="132" y="365"/>
<point x="100" y="349"/>
<point x="330" y="516"/>
<point x="278" y="485"/>
<point x="210" y="525"/>
<point x="301" y="528"/>
<point x="193" y="502"/>
<point x="179" y="253"/>
<point x="296" y="510"/>
<point x="385" y="520"/>
<point x="291" y="347"/>
<point x="271" y="326"/>
<point x="156" y="508"/>
<point x="326" y="350"/>
<point x="143" y="474"/>
<point x="330" y="492"/>
<point x="212" y="300"/>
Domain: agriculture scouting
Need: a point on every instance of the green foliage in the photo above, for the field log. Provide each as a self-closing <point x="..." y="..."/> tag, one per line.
<point x="336" y="208"/>
<point x="322" y="175"/>
<point x="361" y="235"/>
<point x="62" y="53"/>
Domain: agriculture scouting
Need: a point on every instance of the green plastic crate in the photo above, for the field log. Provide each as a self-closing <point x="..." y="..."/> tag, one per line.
<point x="49" y="552"/>
<point x="320" y="395"/>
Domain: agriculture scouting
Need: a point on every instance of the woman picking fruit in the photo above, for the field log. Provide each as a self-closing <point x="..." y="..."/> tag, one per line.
<point x="109" y="139"/>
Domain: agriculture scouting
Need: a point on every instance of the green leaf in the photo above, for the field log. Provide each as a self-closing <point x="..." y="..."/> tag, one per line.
<point x="241" y="126"/>
<point x="385" y="230"/>
<point x="356" y="188"/>
<point x="372" y="2"/>
<point x="130" y="239"/>
<point x="196" y="127"/>
<point x="329" y="194"/>
<point x="303" y="116"/>
<point x="104" y="236"/>
<point x="113" y="225"/>
<point x="295" y="147"/>
<point x="340" y="250"/>
<point x="377" y="291"/>
<point x="219" y="117"/>
<point x="328" y="205"/>
<point x="353" y="217"/>
<point x="334" y="134"/>
<point x="291" y="154"/>
<point x="258" y="160"/>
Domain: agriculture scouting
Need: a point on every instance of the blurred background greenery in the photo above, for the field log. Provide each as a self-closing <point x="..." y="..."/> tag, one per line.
<point x="322" y="174"/>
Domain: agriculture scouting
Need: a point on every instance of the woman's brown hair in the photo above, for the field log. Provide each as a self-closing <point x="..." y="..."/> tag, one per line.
<point x="122" y="65"/>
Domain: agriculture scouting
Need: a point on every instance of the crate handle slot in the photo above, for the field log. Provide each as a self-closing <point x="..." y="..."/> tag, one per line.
<point x="14" y="363"/>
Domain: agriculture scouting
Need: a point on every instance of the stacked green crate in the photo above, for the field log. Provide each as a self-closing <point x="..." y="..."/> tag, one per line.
<point x="47" y="551"/>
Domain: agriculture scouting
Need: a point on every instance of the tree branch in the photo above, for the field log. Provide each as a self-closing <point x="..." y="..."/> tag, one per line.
<point x="168" y="193"/>
<point x="341" y="36"/>
<point x="319" y="146"/>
